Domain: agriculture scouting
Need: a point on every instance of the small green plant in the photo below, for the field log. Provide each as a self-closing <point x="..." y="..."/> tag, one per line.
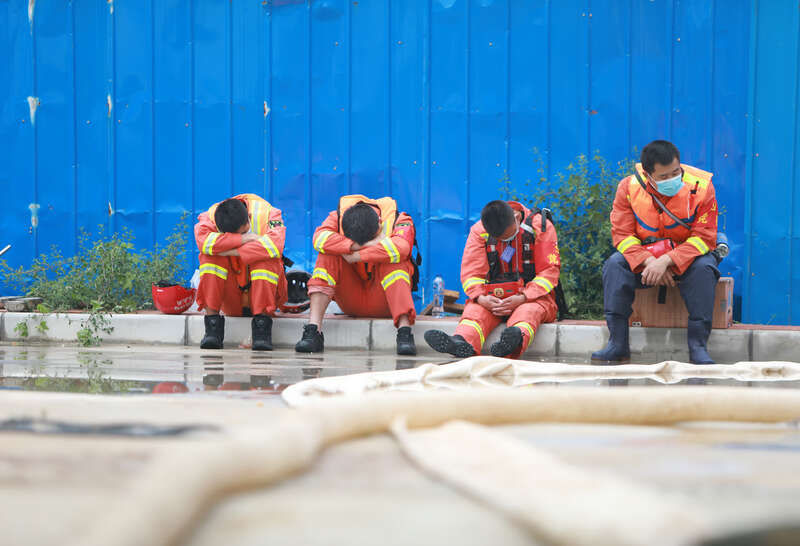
<point x="107" y="274"/>
<point x="22" y="329"/>
<point x="580" y="198"/>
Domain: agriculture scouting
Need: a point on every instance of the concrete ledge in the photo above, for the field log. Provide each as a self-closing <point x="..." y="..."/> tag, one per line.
<point x="576" y="339"/>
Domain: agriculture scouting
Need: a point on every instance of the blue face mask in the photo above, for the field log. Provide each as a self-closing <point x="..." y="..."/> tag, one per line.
<point x="670" y="187"/>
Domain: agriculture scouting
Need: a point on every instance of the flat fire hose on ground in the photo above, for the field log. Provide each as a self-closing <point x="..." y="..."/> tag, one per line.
<point x="163" y="504"/>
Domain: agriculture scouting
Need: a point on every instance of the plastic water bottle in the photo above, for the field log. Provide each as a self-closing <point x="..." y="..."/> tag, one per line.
<point x="438" y="297"/>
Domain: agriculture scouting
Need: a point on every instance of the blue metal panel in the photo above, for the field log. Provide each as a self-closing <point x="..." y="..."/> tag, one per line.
<point x="91" y="114"/>
<point x="431" y="102"/>
<point x="773" y="146"/>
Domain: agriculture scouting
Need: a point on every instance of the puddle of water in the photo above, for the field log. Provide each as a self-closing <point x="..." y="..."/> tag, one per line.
<point x="232" y="372"/>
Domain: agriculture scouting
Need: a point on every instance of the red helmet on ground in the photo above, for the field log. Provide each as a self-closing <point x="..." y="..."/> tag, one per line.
<point x="297" y="288"/>
<point x="172" y="299"/>
<point x="169" y="387"/>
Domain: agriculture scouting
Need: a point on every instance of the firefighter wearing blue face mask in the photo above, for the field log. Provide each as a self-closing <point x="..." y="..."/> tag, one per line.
<point x="663" y="199"/>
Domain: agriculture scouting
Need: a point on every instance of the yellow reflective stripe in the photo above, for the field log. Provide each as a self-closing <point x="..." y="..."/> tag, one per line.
<point x="530" y="330"/>
<point x="320" y="273"/>
<point x="267" y="243"/>
<point x="698" y="243"/>
<point x="628" y="242"/>
<point x="485" y="236"/>
<point x="472" y="281"/>
<point x="213" y="269"/>
<point x="208" y="244"/>
<point x="255" y="217"/>
<point x="264" y="275"/>
<point x="391" y="250"/>
<point x="387" y="229"/>
<point x="389" y="279"/>
<point x="541" y="281"/>
<point x="320" y="242"/>
<point x="468" y="322"/>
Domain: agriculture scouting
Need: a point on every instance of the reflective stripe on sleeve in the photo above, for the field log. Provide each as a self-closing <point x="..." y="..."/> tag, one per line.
<point x="213" y="269"/>
<point x="392" y="277"/>
<point x="541" y="281"/>
<point x="628" y="242"/>
<point x="391" y="250"/>
<point x="208" y="244"/>
<point x="472" y="281"/>
<point x="267" y="243"/>
<point x="698" y="243"/>
<point x="319" y="243"/>
<point x="320" y="273"/>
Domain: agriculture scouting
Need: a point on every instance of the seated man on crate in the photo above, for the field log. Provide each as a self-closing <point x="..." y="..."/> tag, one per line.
<point x="241" y="267"/>
<point x="509" y="271"/>
<point x="365" y="264"/>
<point x="663" y="224"/>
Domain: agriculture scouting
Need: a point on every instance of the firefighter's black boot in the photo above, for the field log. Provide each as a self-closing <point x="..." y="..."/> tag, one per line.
<point x="697" y="332"/>
<point x="215" y="332"/>
<point x="312" y="341"/>
<point x="454" y="345"/>
<point x="510" y="342"/>
<point x="618" y="348"/>
<point x="405" y="341"/>
<point x="262" y="332"/>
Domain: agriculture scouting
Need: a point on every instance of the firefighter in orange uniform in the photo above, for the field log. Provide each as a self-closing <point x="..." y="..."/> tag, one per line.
<point x="241" y="267"/>
<point x="364" y="263"/>
<point x="686" y="230"/>
<point x="509" y="271"/>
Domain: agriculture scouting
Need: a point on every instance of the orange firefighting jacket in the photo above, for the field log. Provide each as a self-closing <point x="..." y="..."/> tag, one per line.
<point x="396" y="226"/>
<point x="635" y="216"/>
<point x="266" y="221"/>
<point x="547" y="260"/>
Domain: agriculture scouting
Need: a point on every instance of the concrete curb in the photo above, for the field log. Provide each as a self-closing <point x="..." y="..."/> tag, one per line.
<point x="552" y="340"/>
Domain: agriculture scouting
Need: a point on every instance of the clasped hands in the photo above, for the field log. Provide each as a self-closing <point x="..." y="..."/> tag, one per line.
<point x="501" y="308"/>
<point x="657" y="271"/>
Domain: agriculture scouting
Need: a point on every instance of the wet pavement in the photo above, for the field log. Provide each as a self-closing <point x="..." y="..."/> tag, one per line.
<point x="144" y="369"/>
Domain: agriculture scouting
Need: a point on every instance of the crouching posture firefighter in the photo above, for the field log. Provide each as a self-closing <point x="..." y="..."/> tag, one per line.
<point x="365" y="264"/>
<point x="663" y="224"/>
<point x="509" y="271"/>
<point x="241" y="267"/>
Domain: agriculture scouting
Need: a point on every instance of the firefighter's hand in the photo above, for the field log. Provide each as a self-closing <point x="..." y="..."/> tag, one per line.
<point x="667" y="279"/>
<point x="654" y="269"/>
<point x="353" y="257"/>
<point x="248" y="237"/>
<point x="508" y="305"/>
<point x="231" y="252"/>
<point x="489" y="302"/>
<point x="376" y="241"/>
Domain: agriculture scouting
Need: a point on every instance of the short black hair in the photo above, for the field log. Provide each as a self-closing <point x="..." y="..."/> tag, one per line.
<point x="497" y="216"/>
<point x="230" y="216"/>
<point x="360" y="223"/>
<point x="662" y="152"/>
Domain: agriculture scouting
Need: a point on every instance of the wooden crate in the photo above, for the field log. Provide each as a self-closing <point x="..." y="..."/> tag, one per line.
<point x="672" y="313"/>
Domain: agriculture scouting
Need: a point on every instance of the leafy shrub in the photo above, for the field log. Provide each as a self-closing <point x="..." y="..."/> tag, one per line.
<point x="107" y="273"/>
<point x="580" y="199"/>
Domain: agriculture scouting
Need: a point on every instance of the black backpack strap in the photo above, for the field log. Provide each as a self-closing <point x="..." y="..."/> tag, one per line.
<point x="493" y="258"/>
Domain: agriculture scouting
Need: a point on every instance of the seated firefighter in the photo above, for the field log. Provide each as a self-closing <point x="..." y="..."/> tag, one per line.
<point x="663" y="223"/>
<point x="365" y="264"/>
<point x="509" y="271"/>
<point x="241" y="267"/>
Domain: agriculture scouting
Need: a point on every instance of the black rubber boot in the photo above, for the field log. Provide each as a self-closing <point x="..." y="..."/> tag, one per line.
<point x="618" y="348"/>
<point x="262" y="332"/>
<point x="697" y="332"/>
<point x="455" y="345"/>
<point x="312" y="341"/>
<point x="510" y="342"/>
<point x="215" y="332"/>
<point x="405" y="341"/>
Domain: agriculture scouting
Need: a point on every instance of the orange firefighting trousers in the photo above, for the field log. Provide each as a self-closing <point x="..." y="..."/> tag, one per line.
<point x="477" y="322"/>
<point x="220" y="278"/>
<point x="386" y="293"/>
